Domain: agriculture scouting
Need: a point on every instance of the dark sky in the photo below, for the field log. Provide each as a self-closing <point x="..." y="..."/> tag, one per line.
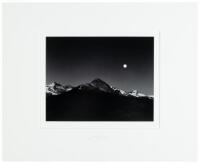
<point x="77" y="60"/>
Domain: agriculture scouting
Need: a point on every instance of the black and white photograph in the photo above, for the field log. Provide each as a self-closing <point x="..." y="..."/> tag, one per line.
<point x="100" y="82"/>
<point x="100" y="78"/>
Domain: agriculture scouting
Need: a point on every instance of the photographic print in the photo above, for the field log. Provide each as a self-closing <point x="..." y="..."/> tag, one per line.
<point x="100" y="78"/>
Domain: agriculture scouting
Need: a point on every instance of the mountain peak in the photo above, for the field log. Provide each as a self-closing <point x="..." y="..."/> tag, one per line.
<point x="97" y="80"/>
<point x="54" y="84"/>
<point x="102" y="85"/>
<point x="56" y="88"/>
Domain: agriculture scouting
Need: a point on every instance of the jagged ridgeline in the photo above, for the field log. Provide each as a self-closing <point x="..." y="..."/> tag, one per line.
<point x="96" y="101"/>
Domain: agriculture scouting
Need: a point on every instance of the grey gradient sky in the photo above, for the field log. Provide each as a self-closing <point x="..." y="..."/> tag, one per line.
<point x="77" y="60"/>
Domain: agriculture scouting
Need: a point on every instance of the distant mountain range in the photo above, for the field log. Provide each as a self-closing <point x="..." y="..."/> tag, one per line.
<point x="97" y="84"/>
<point x="96" y="101"/>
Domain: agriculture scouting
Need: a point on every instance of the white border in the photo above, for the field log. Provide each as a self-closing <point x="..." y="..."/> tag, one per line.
<point x="135" y="1"/>
<point x="100" y="124"/>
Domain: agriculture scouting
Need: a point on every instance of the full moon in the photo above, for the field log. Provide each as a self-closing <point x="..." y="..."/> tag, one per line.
<point x="124" y="65"/>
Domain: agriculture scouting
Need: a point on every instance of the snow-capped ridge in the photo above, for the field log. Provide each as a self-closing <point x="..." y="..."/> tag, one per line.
<point x="56" y="88"/>
<point x="120" y="91"/>
<point x="97" y="84"/>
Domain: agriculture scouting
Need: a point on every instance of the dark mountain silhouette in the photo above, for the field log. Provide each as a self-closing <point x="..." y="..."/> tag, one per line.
<point x="96" y="101"/>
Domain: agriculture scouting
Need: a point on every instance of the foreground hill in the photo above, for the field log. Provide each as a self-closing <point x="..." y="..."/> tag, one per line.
<point x="96" y="101"/>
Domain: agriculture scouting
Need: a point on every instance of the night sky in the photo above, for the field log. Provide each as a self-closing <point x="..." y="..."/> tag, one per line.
<point x="78" y="60"/>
